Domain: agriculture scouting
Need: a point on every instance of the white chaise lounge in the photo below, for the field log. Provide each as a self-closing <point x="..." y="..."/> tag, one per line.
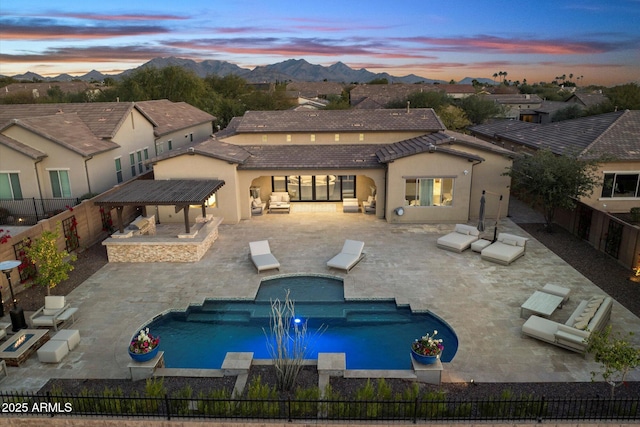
<point x="459" y="239"/>
<point x="262" y="257"/>
<point x="506" y="249"/>
<point x="350" y="255"/>
<point x="590" y="315"/>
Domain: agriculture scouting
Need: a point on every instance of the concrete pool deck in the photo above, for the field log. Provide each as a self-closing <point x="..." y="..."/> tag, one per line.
<point x="479" y="299"/>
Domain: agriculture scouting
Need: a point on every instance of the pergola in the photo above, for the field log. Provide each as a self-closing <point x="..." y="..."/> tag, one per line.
<point x="180" y="193"/>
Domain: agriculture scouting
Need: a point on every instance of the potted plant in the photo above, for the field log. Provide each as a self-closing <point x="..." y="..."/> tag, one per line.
<point x="144" y="346"/>
<point x="427" y="349"/>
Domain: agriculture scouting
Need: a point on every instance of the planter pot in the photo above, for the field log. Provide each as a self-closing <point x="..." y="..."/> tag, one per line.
<point x="144" y="357"/>
<point x="425" y="360"/>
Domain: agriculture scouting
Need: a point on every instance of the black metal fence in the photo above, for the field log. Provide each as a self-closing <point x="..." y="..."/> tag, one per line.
<point x="31" y="210"/>
<point x="417" y="411"/>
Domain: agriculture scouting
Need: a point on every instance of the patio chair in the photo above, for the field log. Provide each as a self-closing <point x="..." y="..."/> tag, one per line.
<point x="350" y="255"/>
<point x="54" y="313"/>
<point x="262" y="257"/>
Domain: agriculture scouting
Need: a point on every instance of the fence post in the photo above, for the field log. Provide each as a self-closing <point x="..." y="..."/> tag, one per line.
<point x="50" y="404"/>
<point x="166" y="402"/>
<point x="541" y="409"/>
<point x="415" y="411"/>
<point x="289" y="409"/>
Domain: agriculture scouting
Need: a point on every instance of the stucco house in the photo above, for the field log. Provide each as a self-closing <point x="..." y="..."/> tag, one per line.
<point x="402" y="158"/>
<point x="69" y="150"/>
<point x="615" y="135"/>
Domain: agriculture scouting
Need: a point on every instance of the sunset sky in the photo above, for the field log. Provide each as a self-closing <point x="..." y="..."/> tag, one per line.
<point x="536" y="41"/>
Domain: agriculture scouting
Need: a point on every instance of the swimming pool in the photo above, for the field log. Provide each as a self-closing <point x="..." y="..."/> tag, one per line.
<point x="374" y="334"/>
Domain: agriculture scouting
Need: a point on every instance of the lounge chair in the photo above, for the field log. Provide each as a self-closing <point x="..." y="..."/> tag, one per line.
<point x="54" y="313"/>
<point x="350" y="255"/>
<point x="459" y="239"/>
<point x="262" y="257"/>
<point x="506" y="249"/>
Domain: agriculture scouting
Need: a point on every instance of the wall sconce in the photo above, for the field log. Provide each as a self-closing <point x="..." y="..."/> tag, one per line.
<point x="399" y="211"/>
<point x="466" y="172"/>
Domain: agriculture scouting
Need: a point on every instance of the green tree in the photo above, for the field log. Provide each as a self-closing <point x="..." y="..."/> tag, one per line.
<point x="435" y="99"/>
<point x="453" y="118"/>
<point x="616" y="355"/>
<point x="479" y="109"/>
<point x="379" y="81"/>
<point x="53" y="265"/>
<point x="551" y="181"/>
<point x="573" y="111"/>
<point x="625" y="97"/>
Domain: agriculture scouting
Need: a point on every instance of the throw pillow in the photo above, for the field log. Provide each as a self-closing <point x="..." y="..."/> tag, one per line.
<point x="285" y="198"/>
<point x="274" y="199"/>
<point x="256" y="203"/>
<point x="510" y="242"/>
<point x="370" y="199"/>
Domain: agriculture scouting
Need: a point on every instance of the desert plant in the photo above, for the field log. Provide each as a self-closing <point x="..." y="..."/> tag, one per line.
<point x="288" y="341"/>
<point x="52" y="264"/>
<point x="616" y="355"/>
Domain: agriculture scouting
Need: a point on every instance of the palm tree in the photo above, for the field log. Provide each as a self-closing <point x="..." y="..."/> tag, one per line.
<point x="504" y="76"/>
<point x="494" y="77"/>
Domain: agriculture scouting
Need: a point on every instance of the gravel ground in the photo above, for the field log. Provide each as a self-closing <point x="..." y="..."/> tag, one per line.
<point x="599" y="268"/>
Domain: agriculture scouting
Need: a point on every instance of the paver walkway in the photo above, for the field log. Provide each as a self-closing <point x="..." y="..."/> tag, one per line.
<point x="479" y="299"/>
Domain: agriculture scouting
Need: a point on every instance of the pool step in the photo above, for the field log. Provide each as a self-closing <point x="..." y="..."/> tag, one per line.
<point x="220" y="317"/>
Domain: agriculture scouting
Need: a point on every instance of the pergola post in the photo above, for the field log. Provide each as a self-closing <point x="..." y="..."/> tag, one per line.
<point x="204" y="211"/>
<point x="187" y="228"/>
<point x="119" y="210"/>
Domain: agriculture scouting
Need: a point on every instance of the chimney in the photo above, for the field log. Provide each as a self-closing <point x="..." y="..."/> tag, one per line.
<point x="408" y="104"/>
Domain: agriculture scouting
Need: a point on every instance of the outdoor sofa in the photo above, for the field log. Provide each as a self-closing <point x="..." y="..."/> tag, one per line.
<point x="459" y="239"/>
<point x="506" y="249"/>
<point x="590" y="315"/>
<point x="261" y="256"/>
<point x="350" y="255"/>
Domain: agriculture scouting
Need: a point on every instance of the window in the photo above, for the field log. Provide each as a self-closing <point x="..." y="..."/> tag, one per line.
<point x="10" y="186"/>
<point x="361" y="137"/>
<point x="140" y="165"/>
<point x="288" y="138"/>
<point x="146" y="157"/>
<point x="621" y="185"/>
<point x="312" y="137"/>
<point x="119" y="170"/>
<point x="429" y="192"/>
<point x="264" y="138"/>
<point x="159" y="148"/>
<point x="132" y="162"/>
<point x="60" y="185"/>
<point x="336" y="137"/>
<point x="170" y="144"/>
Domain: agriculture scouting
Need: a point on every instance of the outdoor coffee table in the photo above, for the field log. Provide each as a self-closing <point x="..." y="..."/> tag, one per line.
<point x="22" y="345"/>
<point x="279" y="206"/>
<point x="541" y="303"/>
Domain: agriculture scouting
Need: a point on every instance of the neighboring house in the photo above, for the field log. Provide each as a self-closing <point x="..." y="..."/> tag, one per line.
<point x="587" y="99"/>
<point x="374" y="96"/>
<point x="615" y="135"/>
<point x="176" y="124"/>
<point x="404" y="158"/>
<point x="69" y="150"/>
<point x="312" y="90"/>
<point x="40" y="90"/>
<point x="516" y="104"/>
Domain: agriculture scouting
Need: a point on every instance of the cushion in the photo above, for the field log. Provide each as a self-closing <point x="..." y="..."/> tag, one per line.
<point x="256" y="203"/>
<point x="510" y="242"/>
<point x="274" y="199"/>
<point x="373" y="204"/>
<point x="596" y="298"/>
<point x="285" y="198"/>
<point x="573" y="331"/>
<point x="582" y="324"/>
<point x="370" y="199"/>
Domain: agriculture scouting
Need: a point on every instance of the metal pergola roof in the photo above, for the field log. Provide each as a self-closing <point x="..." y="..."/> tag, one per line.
<point x="180" y="193"/>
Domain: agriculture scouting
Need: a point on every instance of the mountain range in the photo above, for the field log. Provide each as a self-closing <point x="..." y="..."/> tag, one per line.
<point x="289" y="70"/>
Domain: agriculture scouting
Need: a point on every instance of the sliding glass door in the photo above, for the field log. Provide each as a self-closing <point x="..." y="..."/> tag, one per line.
<point x="316" y="188"/>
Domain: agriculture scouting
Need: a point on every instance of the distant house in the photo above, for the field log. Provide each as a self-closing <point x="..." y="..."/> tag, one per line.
<point x="416" y="170"/>
<point x="366" y="96"/>
<point x="616" y="135"/>
<point x="587" y="99"/>
<point x="516" y="105"/>
<point x="40" y="90"/>
<point x="69" y="150"/>
<point x="312" y="90"/>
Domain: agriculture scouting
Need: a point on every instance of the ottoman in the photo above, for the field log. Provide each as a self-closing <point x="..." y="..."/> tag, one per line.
<point x="70" y="336"/>
<point x="53" y="351"/>
<point x="558" y="291"/>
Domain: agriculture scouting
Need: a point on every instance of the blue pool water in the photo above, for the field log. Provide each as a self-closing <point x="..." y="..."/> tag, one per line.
<point x="374" y="334"/>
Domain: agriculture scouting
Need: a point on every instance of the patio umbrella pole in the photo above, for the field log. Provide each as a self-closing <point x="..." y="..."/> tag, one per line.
<point x="495" y="230"/>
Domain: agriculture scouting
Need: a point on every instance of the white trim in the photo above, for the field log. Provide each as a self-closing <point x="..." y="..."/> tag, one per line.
<point x="57" y="169"/>
<point x="9" y="171"/>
